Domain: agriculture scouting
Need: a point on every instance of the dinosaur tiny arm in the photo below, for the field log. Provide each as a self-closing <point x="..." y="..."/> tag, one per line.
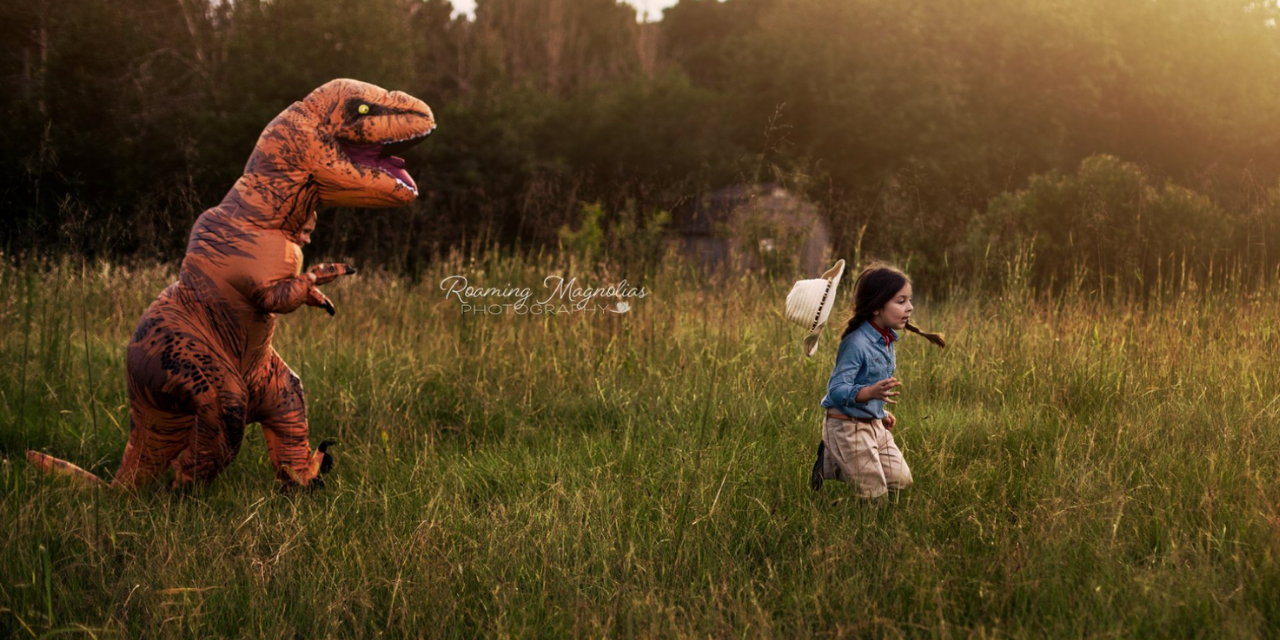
<point x="287" y="294"/>
<point x="283" y="296"/>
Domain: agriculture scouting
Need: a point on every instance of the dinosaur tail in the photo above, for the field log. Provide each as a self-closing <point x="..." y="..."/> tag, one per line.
<point x="50" y="464"/>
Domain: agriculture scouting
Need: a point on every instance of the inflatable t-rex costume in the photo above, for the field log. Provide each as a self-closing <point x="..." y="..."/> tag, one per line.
<point x="200" y="363"/>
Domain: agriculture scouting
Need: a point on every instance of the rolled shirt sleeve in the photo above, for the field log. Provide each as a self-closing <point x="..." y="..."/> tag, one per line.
<point x="843" y="387"/>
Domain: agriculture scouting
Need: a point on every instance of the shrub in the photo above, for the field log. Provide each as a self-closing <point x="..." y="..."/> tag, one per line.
<point x="1105" y="223"/>
<point x="633" y="240"/>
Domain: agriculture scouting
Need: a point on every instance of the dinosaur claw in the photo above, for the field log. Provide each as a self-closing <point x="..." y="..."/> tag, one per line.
<point x="326" y="462"/>
<point x="328" y="307"/>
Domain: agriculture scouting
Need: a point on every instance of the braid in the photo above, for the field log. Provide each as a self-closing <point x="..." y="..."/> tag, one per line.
<point x="853" y="325"/>
<point x="935" y="338"/>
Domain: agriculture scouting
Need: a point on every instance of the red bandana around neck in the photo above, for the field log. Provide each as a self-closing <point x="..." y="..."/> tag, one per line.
<point x="888" y="335"/>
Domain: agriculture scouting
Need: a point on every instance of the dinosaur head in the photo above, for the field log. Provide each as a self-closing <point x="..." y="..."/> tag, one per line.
<point x="350" y="134"/>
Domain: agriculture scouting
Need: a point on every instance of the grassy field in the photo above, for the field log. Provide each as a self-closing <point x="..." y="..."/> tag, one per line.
<point x="1082" y="468"/>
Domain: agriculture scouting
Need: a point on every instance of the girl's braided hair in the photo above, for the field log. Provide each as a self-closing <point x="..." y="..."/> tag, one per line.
<point x="874" y="288"/>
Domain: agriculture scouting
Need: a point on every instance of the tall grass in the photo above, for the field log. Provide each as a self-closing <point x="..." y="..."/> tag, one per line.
<point x="1084" y="467"/>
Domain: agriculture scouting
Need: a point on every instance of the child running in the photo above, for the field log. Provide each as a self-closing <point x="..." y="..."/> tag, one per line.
<point x="857" y="446"/>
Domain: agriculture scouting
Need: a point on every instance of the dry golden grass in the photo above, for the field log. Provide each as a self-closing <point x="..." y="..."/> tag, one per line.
<point x="1083" y="467"/>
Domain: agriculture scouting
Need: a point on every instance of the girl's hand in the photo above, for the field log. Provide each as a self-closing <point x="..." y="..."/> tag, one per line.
<point x="884" y="390"/>
<point x="889" y="421"/>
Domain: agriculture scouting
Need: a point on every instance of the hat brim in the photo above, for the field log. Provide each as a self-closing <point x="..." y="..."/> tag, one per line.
<point x="824" y="311"/>
<point x="811" y="344"/>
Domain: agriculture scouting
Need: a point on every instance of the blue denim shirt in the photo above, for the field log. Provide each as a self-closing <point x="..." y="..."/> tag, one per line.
<point x="862" y="360"/>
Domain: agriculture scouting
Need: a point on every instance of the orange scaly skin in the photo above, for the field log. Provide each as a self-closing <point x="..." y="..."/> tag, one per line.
<point x="200" y="364"/>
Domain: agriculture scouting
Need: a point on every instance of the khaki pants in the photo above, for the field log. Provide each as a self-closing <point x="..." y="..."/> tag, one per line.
<point x="863" y="455"/>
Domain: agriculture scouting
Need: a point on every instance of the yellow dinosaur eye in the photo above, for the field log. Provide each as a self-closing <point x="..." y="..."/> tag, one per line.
<point x="363" y="109"/>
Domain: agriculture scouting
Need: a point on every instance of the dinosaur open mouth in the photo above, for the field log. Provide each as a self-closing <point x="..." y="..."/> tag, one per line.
<point x="381" y="156"/>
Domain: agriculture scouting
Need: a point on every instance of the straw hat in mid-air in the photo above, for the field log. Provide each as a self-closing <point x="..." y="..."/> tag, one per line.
<point x="810" y="301"/>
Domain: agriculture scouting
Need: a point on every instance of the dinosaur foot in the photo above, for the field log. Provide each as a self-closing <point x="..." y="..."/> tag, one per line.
<point x="309" y="477"/>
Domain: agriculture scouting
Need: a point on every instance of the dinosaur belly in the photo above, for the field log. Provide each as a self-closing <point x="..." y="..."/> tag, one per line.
<point x="226" y="264"/>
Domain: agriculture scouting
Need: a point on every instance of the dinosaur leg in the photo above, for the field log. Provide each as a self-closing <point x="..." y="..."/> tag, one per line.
<point x="216" y="438"/>
<point x="187" y="403"/>
<point x="282" y="411"/>
<point x="156" y="438"/>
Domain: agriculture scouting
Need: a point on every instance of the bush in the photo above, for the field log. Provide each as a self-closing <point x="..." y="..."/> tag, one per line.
<point x="1106" y="223"/>
<point x="633" y="241"/>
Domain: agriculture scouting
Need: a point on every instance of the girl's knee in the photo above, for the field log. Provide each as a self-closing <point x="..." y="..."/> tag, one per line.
<point x="899" y="480"/>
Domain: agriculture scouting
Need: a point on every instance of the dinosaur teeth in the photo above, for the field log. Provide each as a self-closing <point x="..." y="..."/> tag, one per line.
<point x="413" y="137"/>
<point x="407" y="186"/>
<point x="396" y="147"/>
